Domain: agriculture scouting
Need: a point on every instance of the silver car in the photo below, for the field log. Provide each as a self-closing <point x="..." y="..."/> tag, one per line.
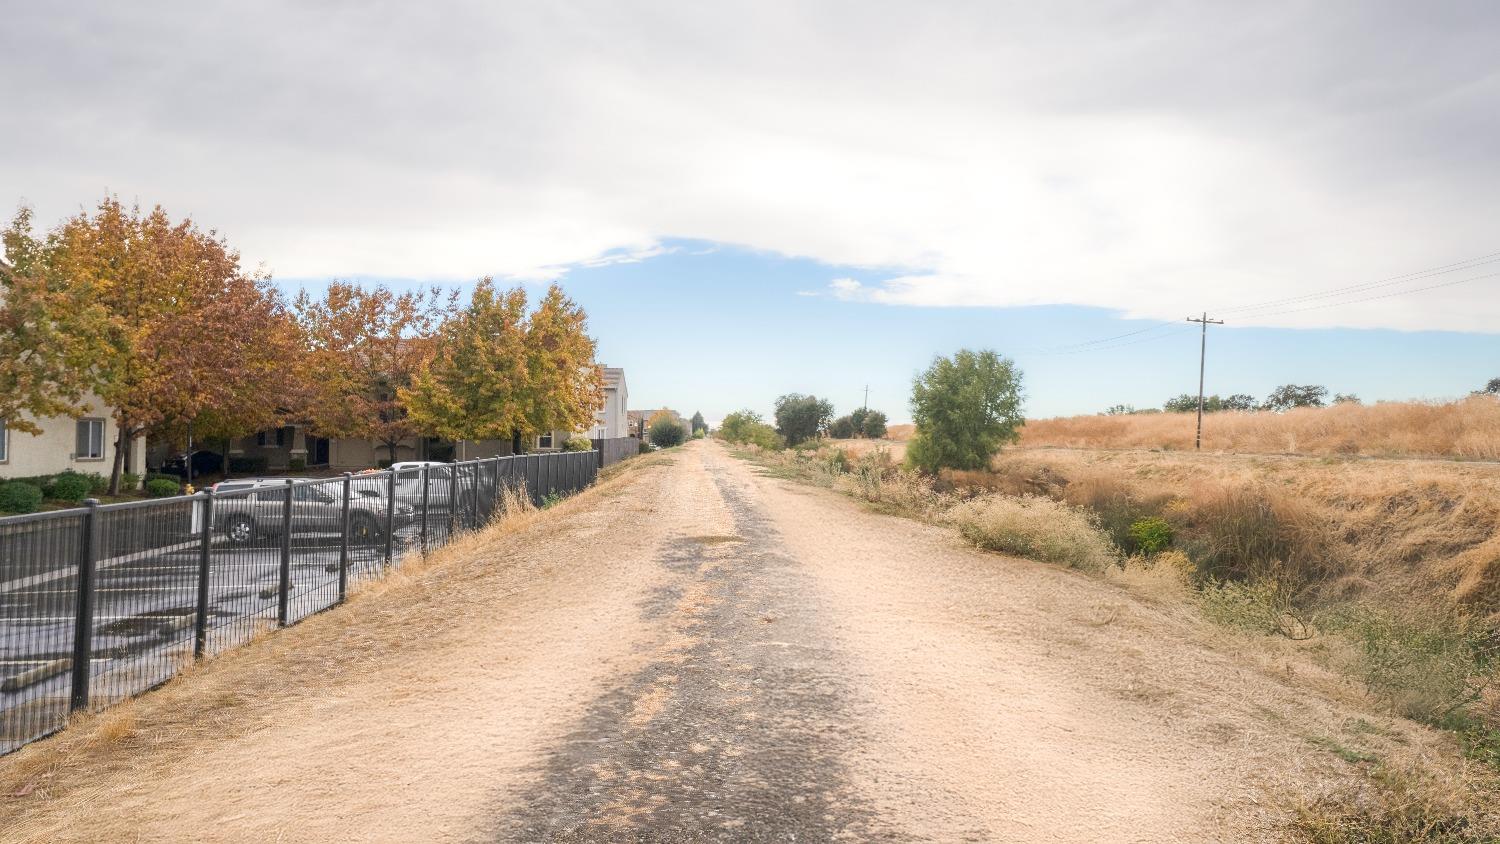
<point x="248" y="508"/>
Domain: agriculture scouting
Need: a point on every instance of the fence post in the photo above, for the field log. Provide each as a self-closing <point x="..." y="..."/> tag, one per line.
<point x="455" y="497"/>
<point x="474" y="495"/>
<point x="285" y="590"/>
<point x="390" y="517"/>
<point x="495" y="491"/>
<point x="83" y="610"/>
<point x="424" y="511"/>
<point x="344" y="540"/>
<point x="205" y="544"/>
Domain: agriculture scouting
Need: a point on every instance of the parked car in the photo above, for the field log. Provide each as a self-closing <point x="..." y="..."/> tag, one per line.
<point x="440" y="487"/>
<point x="203" y="462"/>
<point x="253" y="507"/>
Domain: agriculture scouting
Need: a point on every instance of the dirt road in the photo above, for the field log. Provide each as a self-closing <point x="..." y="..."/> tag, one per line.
<point x="697" y="652"/>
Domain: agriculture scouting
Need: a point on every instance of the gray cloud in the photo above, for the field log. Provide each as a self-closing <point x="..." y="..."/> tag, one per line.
<point x="1148" y="157"/>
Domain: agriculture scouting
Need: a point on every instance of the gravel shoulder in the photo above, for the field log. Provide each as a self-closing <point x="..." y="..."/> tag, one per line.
<point x="693" y="651"/>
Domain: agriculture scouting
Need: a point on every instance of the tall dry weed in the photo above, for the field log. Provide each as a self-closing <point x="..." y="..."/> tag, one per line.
<point x="1037" y="528"/>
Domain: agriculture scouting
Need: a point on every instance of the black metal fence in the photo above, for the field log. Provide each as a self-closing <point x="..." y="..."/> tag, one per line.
<point x="615" y="449"/>
<point x="103" y="602"/>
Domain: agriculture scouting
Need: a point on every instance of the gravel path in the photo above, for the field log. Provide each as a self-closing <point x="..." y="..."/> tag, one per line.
<point x="698" y="652"/>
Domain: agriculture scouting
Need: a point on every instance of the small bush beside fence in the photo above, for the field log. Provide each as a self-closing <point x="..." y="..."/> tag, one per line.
<point x="103" y="602"/>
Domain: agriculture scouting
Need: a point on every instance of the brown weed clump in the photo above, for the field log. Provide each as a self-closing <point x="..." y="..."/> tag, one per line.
<point x="1037" y="528"/>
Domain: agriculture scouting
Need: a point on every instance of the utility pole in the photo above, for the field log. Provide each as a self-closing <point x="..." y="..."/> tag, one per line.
<point x="1202" y="354"/>
<point x="867" y="397"/>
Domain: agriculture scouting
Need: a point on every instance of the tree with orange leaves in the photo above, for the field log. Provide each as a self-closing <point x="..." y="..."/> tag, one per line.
<point x="364" y="348"/>
<point x="155" y="318"/>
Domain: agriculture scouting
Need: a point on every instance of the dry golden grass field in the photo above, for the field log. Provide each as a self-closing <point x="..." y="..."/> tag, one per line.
<point x="1465" y="429"/>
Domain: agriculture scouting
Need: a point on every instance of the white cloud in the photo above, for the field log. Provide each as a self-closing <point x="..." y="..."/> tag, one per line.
<point x="1154" y="162"/>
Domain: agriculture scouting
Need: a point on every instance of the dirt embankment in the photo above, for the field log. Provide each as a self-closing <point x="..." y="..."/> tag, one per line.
<point x="695" y="651"/>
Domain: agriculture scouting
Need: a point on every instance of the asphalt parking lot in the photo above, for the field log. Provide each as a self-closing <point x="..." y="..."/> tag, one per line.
<point x="145" y="611"/>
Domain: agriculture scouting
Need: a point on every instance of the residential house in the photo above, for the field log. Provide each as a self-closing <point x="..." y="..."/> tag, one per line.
<point x="610" y="420"/>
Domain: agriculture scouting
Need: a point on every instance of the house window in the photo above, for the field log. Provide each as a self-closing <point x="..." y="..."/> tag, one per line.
<point x="90" y="440"/>
<point x="544" y="440"/>
<point x="276" y="436"/>
<point x="4" y="442"/>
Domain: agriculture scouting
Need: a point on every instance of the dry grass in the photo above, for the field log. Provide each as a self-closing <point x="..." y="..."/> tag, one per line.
<point x="1402" y="804"/>
<point x="1469" y="429"/>
<point x="1037" y="528"/>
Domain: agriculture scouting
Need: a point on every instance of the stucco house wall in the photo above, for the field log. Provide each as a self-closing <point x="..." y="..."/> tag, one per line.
<point x="56" y="448"/>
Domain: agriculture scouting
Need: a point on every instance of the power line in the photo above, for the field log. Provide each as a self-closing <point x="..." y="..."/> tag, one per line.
<point x="1249" y="311"/>
<point x="1381" y="296"/>
<point x="1372" y="285"/>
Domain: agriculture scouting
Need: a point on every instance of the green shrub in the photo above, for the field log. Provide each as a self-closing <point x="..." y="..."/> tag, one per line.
<point x="578" y="444"/>
<point x="552" y="499"/>
<point x="68" y="486"/>
<point x="1037" y="528"/>
<point x="1430" y="663"/>
<point x="129" y="482"/>
<point x="248" y="465"/>
<point x="645" y="447"/>
<point x="19" y="497"/>
<point x="296" y="464"/>
<point x="666" y="432"/>
<point x="1262" y="606"/>
<point x="159" y="476"/>
<point x="838" y="461"/>
<point x="162" y="488"/>
<point x="763" y="435"/>
<point x="1151" y="535"/>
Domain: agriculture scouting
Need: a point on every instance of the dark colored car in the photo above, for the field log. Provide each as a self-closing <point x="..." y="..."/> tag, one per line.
<point x="204" y="463"/>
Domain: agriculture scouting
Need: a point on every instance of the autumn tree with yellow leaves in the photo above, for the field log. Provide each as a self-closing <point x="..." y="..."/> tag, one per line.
<point x="500" y="372"/>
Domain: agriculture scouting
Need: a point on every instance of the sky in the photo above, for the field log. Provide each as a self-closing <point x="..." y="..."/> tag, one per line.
<point x="758" y="198"/>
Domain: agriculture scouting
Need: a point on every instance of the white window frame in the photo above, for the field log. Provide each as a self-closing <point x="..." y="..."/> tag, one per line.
<point x="548" y="440"/>
<point x="95" y="423"/>
<point x="4" y="441"/>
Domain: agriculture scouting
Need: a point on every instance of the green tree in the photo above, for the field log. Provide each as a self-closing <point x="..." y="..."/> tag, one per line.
<point x="841" y="428"/>
<point x="698" y="423"/>
<point x="1240" y="401"/>
<point x="1289" y="396"/>
<point x="800" y="418"/>
<point x="1492" y="388"/>
<point x="565" y="383"/>
<point x="1346" y="398"/>
<point x="737" y="424"/>
<point x="473" y="383"/>
<point x="965" y="407"/>
<point x="873" y="425"/>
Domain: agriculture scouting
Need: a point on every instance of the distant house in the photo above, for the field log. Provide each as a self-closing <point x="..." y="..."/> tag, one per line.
<point x="79" y="443"/>
<point x="610" y="420"/>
